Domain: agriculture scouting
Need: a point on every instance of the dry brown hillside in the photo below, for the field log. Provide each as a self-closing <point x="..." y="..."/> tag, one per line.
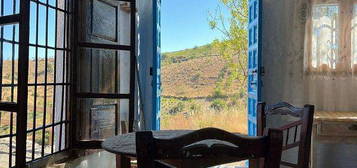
<point x="6" y="91"/>
<point x="192" y="78"/>
<point x="195" y="93"/>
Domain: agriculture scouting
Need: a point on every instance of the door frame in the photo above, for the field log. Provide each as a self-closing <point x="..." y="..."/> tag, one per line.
<point x="255" y="69"/>
<point x="156" y="92"/>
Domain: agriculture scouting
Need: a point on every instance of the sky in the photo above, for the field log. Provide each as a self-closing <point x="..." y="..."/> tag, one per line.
<point x="184" y="24"/>
<point x="8" y="29"/>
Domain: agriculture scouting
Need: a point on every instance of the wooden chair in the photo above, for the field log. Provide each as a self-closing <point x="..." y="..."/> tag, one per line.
<point x="303" y="123"/>
<point x="207" y="147"/>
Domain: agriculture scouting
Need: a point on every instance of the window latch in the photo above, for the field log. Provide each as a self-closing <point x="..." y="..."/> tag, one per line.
<point x="151" y="71"/>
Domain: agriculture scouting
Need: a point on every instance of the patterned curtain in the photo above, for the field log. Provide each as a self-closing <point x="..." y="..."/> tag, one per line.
<point x="331" y="39"/>
<point x="354" y="40"/>
<point x="330" y="55"/>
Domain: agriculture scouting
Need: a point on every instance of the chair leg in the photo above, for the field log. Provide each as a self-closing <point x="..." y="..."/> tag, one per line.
<point x="122" y="161"/>
<point x="313" y="154"/>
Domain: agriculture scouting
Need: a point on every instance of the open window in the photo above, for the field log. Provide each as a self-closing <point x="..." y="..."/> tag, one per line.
<point x="104" y="68"/>
<point x="330" y="44"/>
<point x="67" y="76"/>
<point x="34" y="79"/>
<point x="9" y="80"/>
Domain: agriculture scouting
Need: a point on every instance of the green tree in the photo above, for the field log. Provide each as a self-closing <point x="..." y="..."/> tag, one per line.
<point x="234" y="46"/>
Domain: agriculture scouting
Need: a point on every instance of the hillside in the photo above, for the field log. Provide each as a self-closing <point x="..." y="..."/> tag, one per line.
<point x="189" y="95"/>
<point x="6" y="91"/>
<point x="191" y="73"/>
<point x="188" y="54"/>
<point x="191" y="78"/>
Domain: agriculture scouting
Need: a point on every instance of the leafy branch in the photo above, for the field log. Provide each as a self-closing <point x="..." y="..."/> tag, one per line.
<point x="233" y="47"/>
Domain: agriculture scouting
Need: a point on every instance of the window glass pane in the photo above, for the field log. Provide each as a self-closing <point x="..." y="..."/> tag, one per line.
<point x="9" y="64"/>
<point x="51" y="29"/>
<point x="325" y="36"/>
<point x="42" y="21"/>
<point x="104" y="71"/>
<point x="102" y="118"/>
<point x="33" y="20"/>
<point x="7" y="139"/>
<point x="10" y="7"/>
<point x="8" y="32"/>
<point x="52" y="2"/>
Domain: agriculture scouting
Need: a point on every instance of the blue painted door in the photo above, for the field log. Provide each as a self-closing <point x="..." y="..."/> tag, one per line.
<point x="156" y="65"/>
<point x="254" y="63"/>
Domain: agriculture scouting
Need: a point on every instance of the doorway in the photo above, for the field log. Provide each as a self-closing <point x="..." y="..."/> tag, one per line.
<point x="203" y="74"/>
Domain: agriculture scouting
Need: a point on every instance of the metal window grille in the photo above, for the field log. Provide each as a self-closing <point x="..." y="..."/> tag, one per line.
<point x="39" y="77"/>
<point x="49" y="73"/>
<point x="35" y="70"/>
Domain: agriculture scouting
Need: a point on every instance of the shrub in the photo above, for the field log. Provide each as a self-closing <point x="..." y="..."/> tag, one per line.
<point x="218" y="93"/>
<point x="177" y="108"/>
<point x="196" y="77"/>
<point x="194" y="107"/>
<point x="218" y="104"/>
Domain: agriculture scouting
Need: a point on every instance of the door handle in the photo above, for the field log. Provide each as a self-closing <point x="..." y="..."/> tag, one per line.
<point x="255" y="71"/>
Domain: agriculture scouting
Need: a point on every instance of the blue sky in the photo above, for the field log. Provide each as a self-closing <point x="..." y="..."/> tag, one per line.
<point x="185" y="24"/>
<point x="8" y="29"/>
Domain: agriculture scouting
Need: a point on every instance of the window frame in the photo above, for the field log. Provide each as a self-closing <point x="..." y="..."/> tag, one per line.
<point x="76" y="95"/>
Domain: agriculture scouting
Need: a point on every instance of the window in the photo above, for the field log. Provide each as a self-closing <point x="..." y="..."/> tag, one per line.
<point x="331" y="42"/>
<point x="325" y="35"/>
<point x="35" y="110"/>
<point x="39" y="53"/>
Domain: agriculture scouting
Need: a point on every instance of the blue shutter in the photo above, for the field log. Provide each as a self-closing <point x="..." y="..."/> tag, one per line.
<point x="254" y="63"/>
<point x="156" y="65"/>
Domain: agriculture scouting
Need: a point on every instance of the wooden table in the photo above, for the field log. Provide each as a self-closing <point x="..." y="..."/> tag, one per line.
<point x="333" y="127"/>
<point x="125" y="148"/>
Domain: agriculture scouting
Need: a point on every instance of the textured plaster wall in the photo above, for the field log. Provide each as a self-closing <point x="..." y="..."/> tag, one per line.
<point x="283" y="52"/>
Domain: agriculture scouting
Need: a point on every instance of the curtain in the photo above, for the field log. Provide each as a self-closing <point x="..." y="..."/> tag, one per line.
<point x="354" y="39"/>
<point x="330" y="56"/>
<point x="292" y="72"/>
<point x="330" y="48"/>
<point x="309" y="53"/>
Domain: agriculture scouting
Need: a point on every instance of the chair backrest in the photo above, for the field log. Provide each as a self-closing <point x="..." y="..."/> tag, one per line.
<point x="302" y="126"/>
<point x="208" y="147"/>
